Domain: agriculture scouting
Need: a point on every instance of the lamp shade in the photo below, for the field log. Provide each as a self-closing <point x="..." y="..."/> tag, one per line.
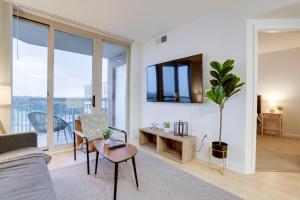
<point x="5" y="95"/>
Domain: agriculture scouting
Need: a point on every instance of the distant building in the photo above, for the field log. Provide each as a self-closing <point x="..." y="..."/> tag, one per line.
<point x="87" y="91"/>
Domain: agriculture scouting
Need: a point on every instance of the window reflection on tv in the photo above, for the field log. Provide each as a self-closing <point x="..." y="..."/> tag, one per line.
<point x="169" y="78"/>
<point x="152" y="83"/>
<point x="176" y="81"/>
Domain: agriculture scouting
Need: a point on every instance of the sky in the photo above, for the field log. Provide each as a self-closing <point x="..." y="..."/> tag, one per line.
<point x="72" y="71"/>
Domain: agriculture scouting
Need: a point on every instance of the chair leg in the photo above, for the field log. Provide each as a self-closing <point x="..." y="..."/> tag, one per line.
<point x="74" y="145"/>
<point x="135" y="174"/>
<point x="57" y="136"/>
<point x="97" y="157"/>
<point x="65" y="135"/>
<point x="116" y="180"/>
<point x="87" y="157"/>
<point x="70" y="130"/>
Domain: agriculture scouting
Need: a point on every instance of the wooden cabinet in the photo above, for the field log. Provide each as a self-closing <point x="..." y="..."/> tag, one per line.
<point x="180" y="149"/>
<point x="271" y="122"/>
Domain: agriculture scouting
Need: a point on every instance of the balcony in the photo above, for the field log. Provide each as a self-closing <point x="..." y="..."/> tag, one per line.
<point x="66" y="109"/>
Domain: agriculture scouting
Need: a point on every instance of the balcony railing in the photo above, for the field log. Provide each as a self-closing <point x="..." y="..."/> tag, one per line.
<point x="68" y="109"/>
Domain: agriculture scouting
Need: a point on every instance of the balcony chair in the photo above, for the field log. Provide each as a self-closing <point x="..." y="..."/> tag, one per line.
<point x="38" y="121"/>
<point x="88" y="128"/>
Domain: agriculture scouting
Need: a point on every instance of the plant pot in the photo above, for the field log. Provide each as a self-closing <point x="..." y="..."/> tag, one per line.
<point x="219" y="151"/>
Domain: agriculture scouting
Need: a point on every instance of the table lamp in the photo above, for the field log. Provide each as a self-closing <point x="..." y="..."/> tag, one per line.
<point x="5" y="100"/>
<point x="273" y="106"/>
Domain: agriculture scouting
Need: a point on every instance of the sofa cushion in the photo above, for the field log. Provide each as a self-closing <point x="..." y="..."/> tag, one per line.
<point x="25" y="177"/>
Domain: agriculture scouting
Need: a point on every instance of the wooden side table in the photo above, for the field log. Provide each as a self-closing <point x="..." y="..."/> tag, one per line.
<point x="276" y="117"/>
<point x="116" y="156"/>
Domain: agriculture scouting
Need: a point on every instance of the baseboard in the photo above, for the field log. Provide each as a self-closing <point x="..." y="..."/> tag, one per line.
<point x="229" y="165"/>
<point x="291" y="135"/>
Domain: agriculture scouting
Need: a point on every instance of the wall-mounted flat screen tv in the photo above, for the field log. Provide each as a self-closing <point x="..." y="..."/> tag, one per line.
<point x="178" y="80"/>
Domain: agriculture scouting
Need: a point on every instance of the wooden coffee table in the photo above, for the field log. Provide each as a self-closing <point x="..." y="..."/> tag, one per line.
<point x="116" y="156"/>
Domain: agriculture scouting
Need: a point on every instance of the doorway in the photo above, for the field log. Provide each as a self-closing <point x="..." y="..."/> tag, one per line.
<point x="253" y="28"/>
<point x="278" y="128"/>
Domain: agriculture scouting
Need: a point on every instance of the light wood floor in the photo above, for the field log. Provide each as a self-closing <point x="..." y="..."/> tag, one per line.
<point x="277" y="154"/>
<point x="259" y="186"/>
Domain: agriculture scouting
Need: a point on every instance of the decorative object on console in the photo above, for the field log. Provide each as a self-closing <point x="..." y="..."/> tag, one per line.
<point x="224" y="85"/>
<point x="106" y="135"/>
<point x="154" y="126"/>
<point x="181" y="128"/>
<point x="167" y="126"/>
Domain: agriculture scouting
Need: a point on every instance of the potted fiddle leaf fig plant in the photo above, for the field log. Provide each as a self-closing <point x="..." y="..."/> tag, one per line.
<point x="223" y="86"/>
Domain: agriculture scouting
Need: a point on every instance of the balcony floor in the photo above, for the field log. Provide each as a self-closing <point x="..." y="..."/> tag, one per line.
<point x="42" y="139"/>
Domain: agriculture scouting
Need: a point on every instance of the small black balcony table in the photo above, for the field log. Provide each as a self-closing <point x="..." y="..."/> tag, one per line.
<point x="116" y="156"/>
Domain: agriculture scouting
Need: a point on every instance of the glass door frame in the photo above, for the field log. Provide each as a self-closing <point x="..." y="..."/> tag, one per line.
<point x="96" y="69"/>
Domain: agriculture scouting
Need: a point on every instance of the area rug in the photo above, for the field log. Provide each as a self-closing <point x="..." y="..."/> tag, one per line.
<point x="277" y="154"/>
<point x="157" y="180"/>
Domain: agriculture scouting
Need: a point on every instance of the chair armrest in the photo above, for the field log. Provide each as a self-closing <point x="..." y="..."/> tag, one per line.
<point x="79" y="133"/>
<point x="119" y="130"/>
<point x="9" y="142"/>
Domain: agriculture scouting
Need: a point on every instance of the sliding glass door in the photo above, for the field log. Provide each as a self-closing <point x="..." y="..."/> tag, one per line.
<point x="56" y="72"/>
<point x="114" y="83"/>
<point x="72" y="83"/>
<point x="29" y="91"/>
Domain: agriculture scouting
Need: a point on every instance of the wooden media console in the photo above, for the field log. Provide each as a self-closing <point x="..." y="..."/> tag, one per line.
<point x="180" y="149"/>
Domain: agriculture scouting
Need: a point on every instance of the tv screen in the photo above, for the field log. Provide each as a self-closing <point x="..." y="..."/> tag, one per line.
<point x="176" y="81"/>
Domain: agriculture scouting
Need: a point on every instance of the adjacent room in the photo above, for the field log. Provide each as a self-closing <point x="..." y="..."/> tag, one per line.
<point x="278" y="139"/>
<point x="149" y="100"/>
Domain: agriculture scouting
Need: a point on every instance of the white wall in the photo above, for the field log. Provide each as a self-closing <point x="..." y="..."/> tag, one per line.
<point x="216" y="39"/>
<point x="278" y="80"/>
<point x="219" y="36"/>
<point x="135" y="88"/>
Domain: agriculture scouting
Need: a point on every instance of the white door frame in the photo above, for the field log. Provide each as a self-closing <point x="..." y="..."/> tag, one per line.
<point x="253" y="27"/>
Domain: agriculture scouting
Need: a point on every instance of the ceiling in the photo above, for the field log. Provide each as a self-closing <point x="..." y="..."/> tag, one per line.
<point x="141" y="20"/>
<point x="289" y="11"/>
<point x="278" y="41"/>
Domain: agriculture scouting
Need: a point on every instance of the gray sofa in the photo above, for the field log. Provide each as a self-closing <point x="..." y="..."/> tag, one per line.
<point x="23" y="169"/>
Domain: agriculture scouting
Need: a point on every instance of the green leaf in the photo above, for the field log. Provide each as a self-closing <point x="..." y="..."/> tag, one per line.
<point x="227" y="63"/>
<point x="226" y="70"/>
<point x="236" y="91"/>
<point x="240" y="85"/>
<point x="227" y="79"/>
<point x="216" y="65"/>
<point x="211" y="95"/>
<point x="224" y="83"/>
<point x="215" y="74"/>
<point x="214" y="82"/>
<point x="219" y="94"/>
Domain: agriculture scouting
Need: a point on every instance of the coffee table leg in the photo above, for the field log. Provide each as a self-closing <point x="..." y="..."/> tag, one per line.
<point x="87" y="157"/>
<point x="116" y="180"/>
<point x="134" y="168"/>
<point x="97" y="157"/>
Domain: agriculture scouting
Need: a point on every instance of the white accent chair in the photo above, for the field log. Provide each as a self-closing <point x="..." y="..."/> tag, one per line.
<point x="88" y="128"/>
